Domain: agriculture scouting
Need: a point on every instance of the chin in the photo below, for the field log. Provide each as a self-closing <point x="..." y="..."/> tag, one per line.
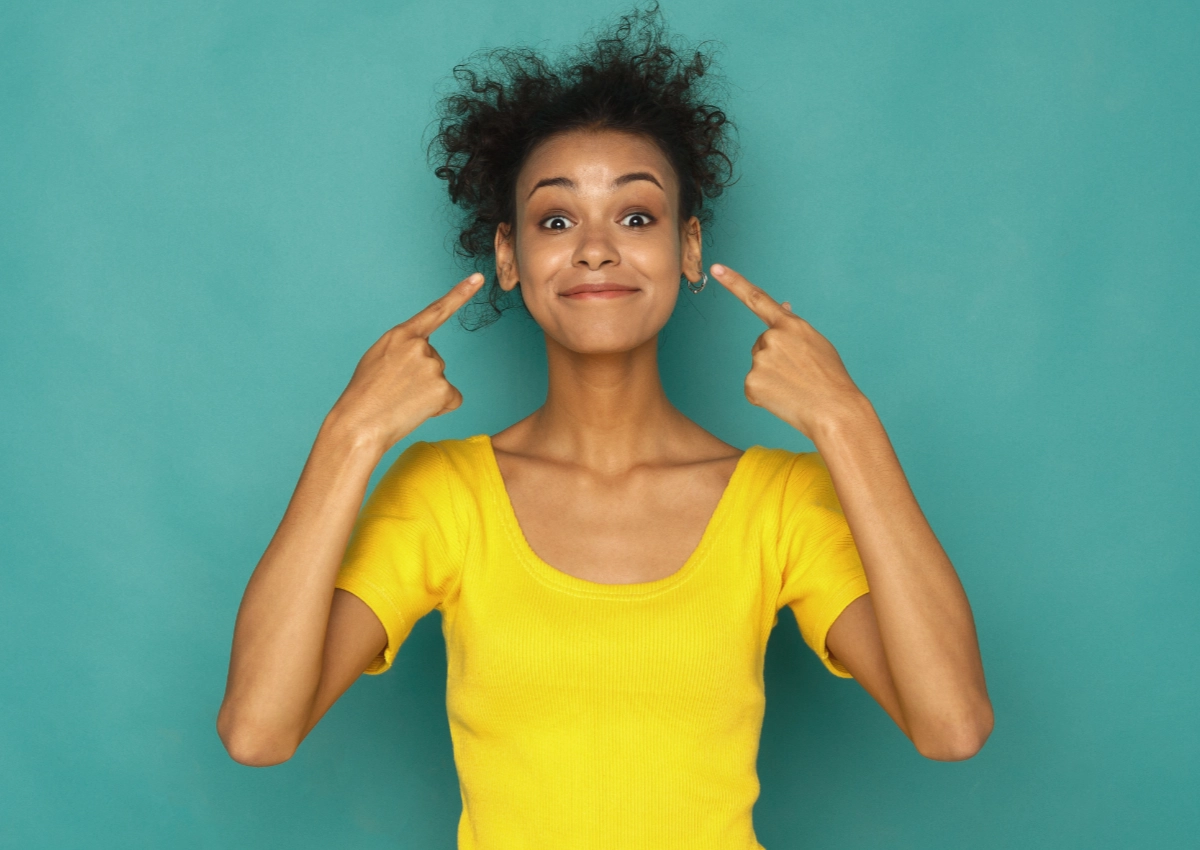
<point x="609" y="345"/>
<point x="604" y="340"/>
<point x="620" y="330"/>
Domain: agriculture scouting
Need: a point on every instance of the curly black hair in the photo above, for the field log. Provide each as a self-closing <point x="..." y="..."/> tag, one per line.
<point x="634" y="78"/>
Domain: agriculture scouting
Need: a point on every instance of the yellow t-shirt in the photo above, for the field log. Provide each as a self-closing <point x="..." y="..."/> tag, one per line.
<point x="587" y="715"/>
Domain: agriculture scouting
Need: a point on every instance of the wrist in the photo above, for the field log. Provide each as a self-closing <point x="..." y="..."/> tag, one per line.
<point x="853" y="412"/>
<point x="347" y="436"/>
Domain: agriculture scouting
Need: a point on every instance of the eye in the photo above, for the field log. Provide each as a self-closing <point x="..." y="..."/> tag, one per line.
<point x="646" y="218"/>
<point x="554" y="218"/>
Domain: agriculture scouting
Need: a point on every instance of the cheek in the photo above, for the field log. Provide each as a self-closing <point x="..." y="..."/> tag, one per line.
<point x="541" y="259"/>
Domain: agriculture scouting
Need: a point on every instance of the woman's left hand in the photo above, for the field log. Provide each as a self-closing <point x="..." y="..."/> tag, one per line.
<point x="795" y="372"/>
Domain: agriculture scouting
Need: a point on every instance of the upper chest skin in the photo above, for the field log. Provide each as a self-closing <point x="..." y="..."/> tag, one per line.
<point x="636" y="527"/>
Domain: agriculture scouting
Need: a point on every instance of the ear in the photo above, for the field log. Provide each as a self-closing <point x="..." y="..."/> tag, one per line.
<point x="506" y="258"/>
<point x="692" y="245"/>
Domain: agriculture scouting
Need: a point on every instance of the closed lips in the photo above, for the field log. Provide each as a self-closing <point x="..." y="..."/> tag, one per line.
<point x="587" y="288"/>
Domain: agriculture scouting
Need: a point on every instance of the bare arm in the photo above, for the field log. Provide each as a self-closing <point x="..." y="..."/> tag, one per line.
<point x="298" y="643"/>
<point x="911" y="641"/>
<point x="279" y="638"/>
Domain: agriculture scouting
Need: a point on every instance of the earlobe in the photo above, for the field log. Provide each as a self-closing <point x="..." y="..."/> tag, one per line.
<point x="506" y="276"/>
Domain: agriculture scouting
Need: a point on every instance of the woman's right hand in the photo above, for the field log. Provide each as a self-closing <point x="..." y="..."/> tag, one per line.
<point x="297" y="644"/>
<point x="399" y="382"/>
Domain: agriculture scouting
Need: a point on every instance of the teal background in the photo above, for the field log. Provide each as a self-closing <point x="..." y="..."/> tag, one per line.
<point x="209" y="211"/>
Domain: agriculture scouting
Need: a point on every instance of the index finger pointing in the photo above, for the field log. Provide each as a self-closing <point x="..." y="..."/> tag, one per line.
<point x="754" y="297"/>
<point x="431" y="318"/>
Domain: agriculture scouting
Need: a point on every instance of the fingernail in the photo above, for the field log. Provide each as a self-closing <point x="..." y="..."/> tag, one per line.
<point x="717" y="268"/>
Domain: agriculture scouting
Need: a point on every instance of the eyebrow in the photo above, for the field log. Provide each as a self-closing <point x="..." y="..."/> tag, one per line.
<point x="567" y="183"/>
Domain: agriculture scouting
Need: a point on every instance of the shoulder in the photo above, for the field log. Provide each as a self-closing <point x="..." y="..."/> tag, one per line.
<point x="785" y="485"/>
<point x="806" y="493"/>
<point x="415" y="479"/>
<point x="777" y="469"/>
<point x="436" y="462"/>
<point x="465" y="462"/>
<point x="434" y="473"/>
<point x="439" y="476"/>
<point x="430" y="486"/>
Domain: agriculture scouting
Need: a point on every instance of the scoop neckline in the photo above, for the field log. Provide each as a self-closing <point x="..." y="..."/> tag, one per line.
<point x="551" y="575"/>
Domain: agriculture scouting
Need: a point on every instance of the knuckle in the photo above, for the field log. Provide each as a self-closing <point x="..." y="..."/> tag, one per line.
<point x="409" y="344"/>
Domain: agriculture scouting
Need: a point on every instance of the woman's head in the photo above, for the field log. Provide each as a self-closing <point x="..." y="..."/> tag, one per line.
<point x="627" y="103"/>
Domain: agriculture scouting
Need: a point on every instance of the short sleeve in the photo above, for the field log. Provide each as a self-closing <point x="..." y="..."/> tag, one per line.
<point x="403" y="558"/>
<point x="822" y="570"/>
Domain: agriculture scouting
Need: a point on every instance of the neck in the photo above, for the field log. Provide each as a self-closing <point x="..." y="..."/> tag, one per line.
<point x="605" y="411"/>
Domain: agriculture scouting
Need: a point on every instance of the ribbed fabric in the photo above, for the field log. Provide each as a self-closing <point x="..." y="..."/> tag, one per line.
<point x="606" y="716"/>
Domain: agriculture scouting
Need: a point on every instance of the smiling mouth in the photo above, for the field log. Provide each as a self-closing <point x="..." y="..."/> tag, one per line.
<point x="598" y="290"/>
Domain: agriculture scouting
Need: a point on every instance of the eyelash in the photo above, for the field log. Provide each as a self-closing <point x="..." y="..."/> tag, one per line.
<point x="649" y="220"/>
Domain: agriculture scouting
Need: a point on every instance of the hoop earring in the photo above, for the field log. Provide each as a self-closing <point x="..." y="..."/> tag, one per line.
<point x="694" y="287"/>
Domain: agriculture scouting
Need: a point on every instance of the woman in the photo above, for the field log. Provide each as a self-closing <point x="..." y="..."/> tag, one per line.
<point x="608" y="572"/>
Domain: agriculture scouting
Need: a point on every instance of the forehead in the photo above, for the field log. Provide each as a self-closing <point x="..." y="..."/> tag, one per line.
<point x="593" y="158"/>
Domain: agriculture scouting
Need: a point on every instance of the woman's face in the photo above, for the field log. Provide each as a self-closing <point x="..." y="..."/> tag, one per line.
<point x="598" y="208"/>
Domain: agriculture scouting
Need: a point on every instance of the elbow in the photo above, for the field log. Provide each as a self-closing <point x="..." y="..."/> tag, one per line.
<point x="251" y="748"/>
<point x="252" y="755"/>
<point x="960" y="740"/>
<point x="958" y="749"/>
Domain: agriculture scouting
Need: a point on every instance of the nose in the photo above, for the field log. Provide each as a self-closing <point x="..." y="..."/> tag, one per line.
<point x="595" y="247"/>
